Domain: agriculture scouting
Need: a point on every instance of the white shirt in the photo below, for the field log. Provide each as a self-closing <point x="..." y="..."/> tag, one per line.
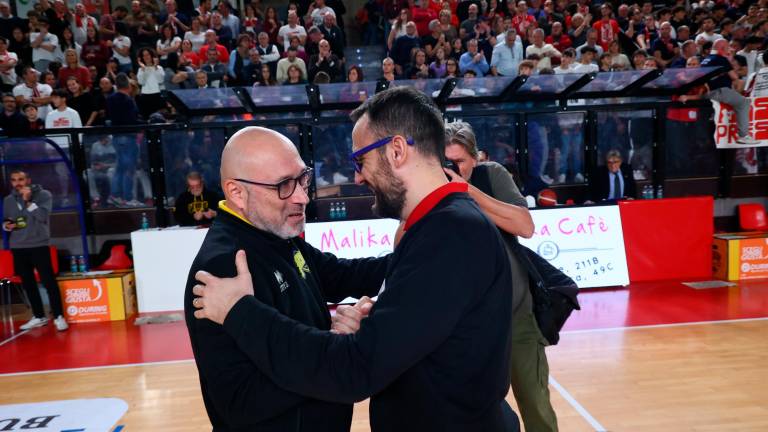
<point x="233" y="23"/>
<point x="559" y="70"/>
<point x="318" y="14"/>
<point x="41" y="53"/>
<point x="588" y="68"/>
<point x="8" y="77"/>
<point x="57" y="119"/>
<point x="198" y="40"/>
<point x="707" y="37"/>
<point x="151" y="79"/>
<point x="121" y="42"/>
<point x="544" y="62"/>
<point x="43" y="90"/>
<point x="282" y="68"/>
<point x="506" y="59"/>
<point x="751" y="60"/>
<point x="81" y="33"/>
<point x="167" y="44"/>
<point x="59" y="54"/>
<point x="286" y="32"/>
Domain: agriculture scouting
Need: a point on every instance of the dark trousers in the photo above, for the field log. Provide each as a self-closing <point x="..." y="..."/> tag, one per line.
<point x="25" y="262"/>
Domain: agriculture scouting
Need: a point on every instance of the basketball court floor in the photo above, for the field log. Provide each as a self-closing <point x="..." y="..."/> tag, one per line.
<point x="649" y="357"/>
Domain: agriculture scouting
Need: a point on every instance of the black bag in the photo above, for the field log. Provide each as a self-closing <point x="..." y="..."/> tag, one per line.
<point x="554" y="293"/>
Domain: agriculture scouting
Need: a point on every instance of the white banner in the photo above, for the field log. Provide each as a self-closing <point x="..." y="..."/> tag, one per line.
<point x="586" y="243"/>
<point x="78" y="415"/>
<point x="353" y="239"/>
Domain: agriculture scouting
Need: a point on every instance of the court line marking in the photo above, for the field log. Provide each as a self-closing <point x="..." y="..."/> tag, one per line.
<point x="92" y="368"/>
<point x="651" y="326"/>
<point x="14" y="337"/>
<point x="576" y="405"/>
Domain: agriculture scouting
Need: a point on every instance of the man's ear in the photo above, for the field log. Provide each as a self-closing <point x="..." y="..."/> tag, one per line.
<point x="235" y="193"/>
<point x="398" y="151"/>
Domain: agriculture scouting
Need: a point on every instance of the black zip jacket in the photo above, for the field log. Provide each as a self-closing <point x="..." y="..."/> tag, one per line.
<point x="433" y="353"/>
<point x="295" y="279"/>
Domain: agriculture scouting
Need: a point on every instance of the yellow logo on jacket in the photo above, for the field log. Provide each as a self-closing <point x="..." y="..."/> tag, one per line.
<point x="301" y="264"/>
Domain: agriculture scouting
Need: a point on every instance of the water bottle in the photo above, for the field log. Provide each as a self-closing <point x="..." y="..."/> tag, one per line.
<point x="144" y="221"/>
<point x="81" y="264"/>
<point x="648" y="192"/>
<point x="343" y="211"/>
<point x="660" y="191"/>
<point x="73" y="264"/>
<point x="334" y="212"/>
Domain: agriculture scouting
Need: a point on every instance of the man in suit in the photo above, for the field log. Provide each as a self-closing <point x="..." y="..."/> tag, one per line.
<point x="612" y="181"/>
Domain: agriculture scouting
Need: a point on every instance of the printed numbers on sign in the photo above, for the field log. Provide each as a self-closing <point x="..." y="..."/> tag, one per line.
<point x="587" y="263"/>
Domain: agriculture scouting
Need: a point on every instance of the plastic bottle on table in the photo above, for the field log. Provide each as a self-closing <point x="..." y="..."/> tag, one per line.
<point x="144" y="221"/>
<point x="73" y="264"/>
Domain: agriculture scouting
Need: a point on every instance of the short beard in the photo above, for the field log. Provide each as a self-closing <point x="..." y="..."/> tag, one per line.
<point x="389" y="193"/>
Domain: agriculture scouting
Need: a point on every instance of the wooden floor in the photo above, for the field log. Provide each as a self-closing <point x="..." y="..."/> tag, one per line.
<point x="683" y="377"/>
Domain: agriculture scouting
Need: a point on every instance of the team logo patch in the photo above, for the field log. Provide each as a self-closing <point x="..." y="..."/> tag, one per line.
<point x="281" y="281"/>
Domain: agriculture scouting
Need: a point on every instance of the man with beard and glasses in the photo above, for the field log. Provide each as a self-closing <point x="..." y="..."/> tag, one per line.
<point x="433" y="354"/>
<point x="265" y="187"/>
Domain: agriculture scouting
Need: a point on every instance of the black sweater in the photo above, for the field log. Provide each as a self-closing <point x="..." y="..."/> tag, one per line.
<point x="237" y="394"/>
<point x="187" y="204"/>
<point x="434" y="352"/>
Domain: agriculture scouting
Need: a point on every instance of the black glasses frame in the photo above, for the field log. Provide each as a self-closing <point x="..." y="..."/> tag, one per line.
<point x="286" y="188"/>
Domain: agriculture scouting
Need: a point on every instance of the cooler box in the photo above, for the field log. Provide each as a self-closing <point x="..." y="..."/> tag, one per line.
<point x="92" y="297"/>
<point x="740" y="256"/>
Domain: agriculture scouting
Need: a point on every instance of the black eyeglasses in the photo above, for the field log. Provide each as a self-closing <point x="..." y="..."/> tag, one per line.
<point x="287" y="187"/>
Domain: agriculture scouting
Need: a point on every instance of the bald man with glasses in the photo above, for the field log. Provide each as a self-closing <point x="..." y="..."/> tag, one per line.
<point x="265" y="184"/>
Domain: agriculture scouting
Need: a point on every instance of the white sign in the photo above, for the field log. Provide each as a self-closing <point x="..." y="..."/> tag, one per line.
<point x="353" y="239"/>
<point x="586" y="243"/>
<point x="69" y="415"/>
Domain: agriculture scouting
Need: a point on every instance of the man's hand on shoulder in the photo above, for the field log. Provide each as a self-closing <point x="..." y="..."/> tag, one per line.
<point x="217" y="296"/>
<point x="348" y="318"/>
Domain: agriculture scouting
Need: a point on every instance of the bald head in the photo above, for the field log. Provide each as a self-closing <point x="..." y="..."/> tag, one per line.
<point x="255" y="150"/>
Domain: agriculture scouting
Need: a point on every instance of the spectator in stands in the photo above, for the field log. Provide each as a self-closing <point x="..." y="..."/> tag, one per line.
<point x="12" y="121"/>
<point x="252" y="71"/>
<point x="187" y="56"/>
<point x="295" y="76"/>
<point x="268" y="51"/>
<point x="121" y="110"/>
<point x="95" y="52"/>
<point x="707" y="32"/>
<point x="266" y="78"/>
<point x="33" y="123"/>
<point x="121" y="48"/>
<point x="146" y="34"/>
<point x="66" y="42"/>
<point x="300" y="51"/>
<point x="618" y="59"/>
<point x="8" y="62"/>
<point x="62" y="116"/>
<point x="44" y="45"/>
<point x="150" y="77"/>
<point x="683" y="33"/>
<point x="204" y="13"/>
<point x="586" y="64"/>
<point x="314" y="36"/>
<point x="8" y="22"/>
<point x="688" y="49"/>
<point x="751" y="54"/>
<point x="251" y="22"/>
<point x="290" y="60"/>
<point x="521" y="21"/>
<point x="559" y="40"/>
<point x="578" y="29"/>
<point x="57" y="16"/>
<point x="292" y="28"/>
<point x="457" y="49"/>
<point x="418" y="68"/>
<point x="566" y="62"/>
<point x="720" y="89"/>
<point x="32" y="92"/>
<point x="401" y="49"/>
<point x="229" y="19"/>
<point x="467" y="27"/>
<point x="398" y="27"/>
<point x="223" y="33"/>
<point x="452" y="68"/>
<point x="355" y="74"/>
<point x="216" y="70"/>
<point x="72" y="67"/>
<point x="604" y="63"/>
<point x="20" y="45"/>
<point x="238" y="60"/>
<point x="80" y="101"/>
<point x="201" y="80"/>
<point x="665" y="49"/>
<point x="612" y="181"/>
<point x="507" y="55"/>
<point x="212" y="40"/>
<point x="179" y="21"/>
<point x="446" y="28"/>
<point x="317" y="12"/>
<point x="49" y="77"/>
<point x="422" y="15"/>
<point x="432" y="39"/>
<point x="388" y="70"/>
<point x="26" y="213"/>
<point x="474" y="60"/>
<point x="607" y="28"/>
<point x="544" y="51"/>
<point x="177" y="75"/>
<point x="81" y="22"/>
<point x="592" y="43"/>
<point x="196" y="35"/>
<point x="333" y="34"/>
<point x="438" y="66"/>
<point x="271" y="24"/>
<point x="325" y="61"/>
<point x="638" y="59"/>
<point x="197" y="205"/>
<point x="169" y="42"/>
<point x="106" y="89"/>
<point x="102" y="158"/>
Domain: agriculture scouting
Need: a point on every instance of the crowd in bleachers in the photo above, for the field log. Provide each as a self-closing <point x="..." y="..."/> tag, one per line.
<point x="82" y="47"/>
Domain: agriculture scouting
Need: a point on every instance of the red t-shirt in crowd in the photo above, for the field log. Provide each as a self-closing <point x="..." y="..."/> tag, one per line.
<point x="606" y="32"/>
<point x="81" y="73"/>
